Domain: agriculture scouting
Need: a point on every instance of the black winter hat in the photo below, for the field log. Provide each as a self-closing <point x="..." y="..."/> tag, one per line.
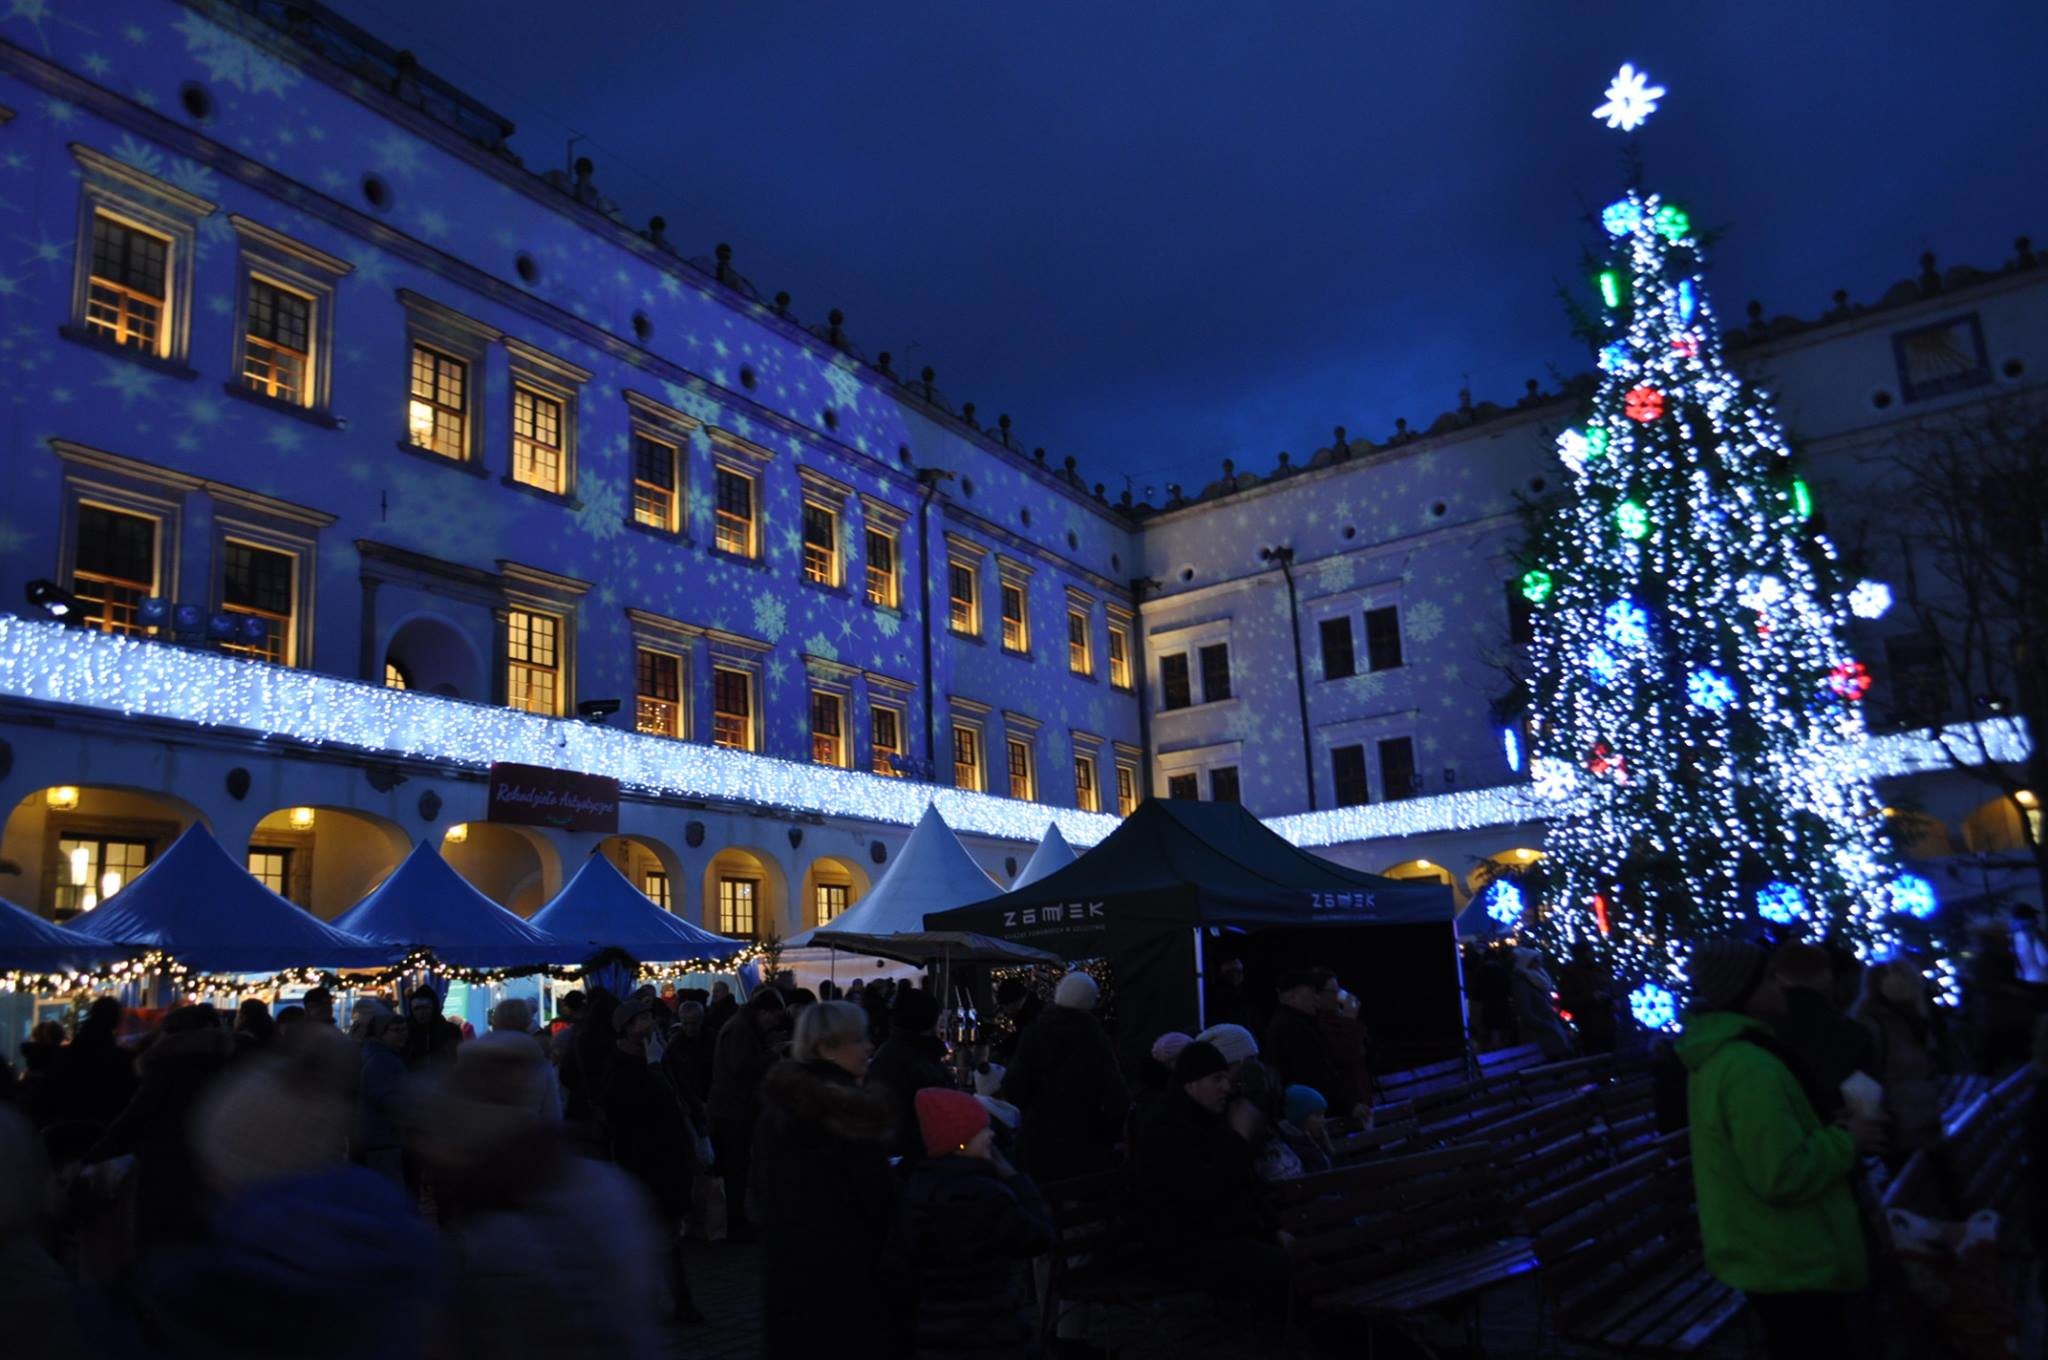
<point x="1196" y="1061"/>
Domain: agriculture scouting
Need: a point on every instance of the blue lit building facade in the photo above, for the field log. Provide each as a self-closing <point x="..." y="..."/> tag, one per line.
<point x="433" y="451"/>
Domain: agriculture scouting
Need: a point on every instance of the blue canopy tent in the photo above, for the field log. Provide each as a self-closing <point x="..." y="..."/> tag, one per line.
<point x="29" y="944"/>
<point x="425" y="904"/>
<point x="201" y="907"/>
<point x="601" y="910"/>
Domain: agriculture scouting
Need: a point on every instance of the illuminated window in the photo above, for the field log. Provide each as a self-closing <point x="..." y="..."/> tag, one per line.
<point x="1339" y="661"/>
<point x="130" y="284"/>
<point x="1126" y="790"/>
<point x="438" y="417"/>
<point x="1085" y="796"/>
<point x="658" y="702"/>
<point x="831" y="900"/>
<point x="536" y="440"/>
<point x="394" y="678"/>
<point x="733" y="528"/>
<point x="277" y="344"/>
<point x="90" y="869"/>
<point x="654" y="482"/>
<point x="1223" y="784"/>
<point x="1079" y="658"/>
<point x="533" y="662"/>
<point x="888" y="738"/>
<point x="1119" y="657"/>
<point x="966" y="757"/>
<point x="737" y="901"/>
<point x="1022" y="785"/>
<point x="881" y="569"/>
<point x="1175" y="690"/>
<point x="257" y="583"/>
<point x="655" y="884"/>
<point x="732" y="709"/>
<point x="1347" y="772"/>
<point x="272" y="867"/>
<point x="821" y="545"/>
<point x="1215" y="672"/>
<point x="1183" y="787"/>
<point x="114" y="567"/>
<point x="1383" y="638"/>
<point x="964" y="597"/>
<point x="828" y="744"/>
<point x="1016" y="623"/>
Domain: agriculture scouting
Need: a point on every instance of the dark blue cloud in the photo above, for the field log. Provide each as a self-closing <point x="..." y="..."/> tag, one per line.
<point x="1161" y="235"/>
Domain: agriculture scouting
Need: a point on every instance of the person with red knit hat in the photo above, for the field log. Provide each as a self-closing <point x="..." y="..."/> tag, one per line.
<point x="970" y="1222"/>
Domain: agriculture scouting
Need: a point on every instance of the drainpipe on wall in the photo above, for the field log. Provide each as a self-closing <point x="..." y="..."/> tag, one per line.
<point x="930" y="478"/>
<point x="1139" y="685"/>
<point x="1285" y="557"/>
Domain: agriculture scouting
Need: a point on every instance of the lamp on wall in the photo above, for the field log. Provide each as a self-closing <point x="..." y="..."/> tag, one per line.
<point x="301" y="818"/>
<point x="457" y="834"/>
<point x="61" y="798"/>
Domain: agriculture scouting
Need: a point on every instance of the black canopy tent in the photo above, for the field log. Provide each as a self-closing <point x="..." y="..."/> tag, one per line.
<point x="1154" y="898"/>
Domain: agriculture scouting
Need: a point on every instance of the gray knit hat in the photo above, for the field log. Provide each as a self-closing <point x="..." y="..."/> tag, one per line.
<point x="1723" y="972"/>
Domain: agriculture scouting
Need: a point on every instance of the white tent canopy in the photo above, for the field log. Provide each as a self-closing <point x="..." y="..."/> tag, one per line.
<point x="932" y="872"/>
<point x="1053" y="853"/>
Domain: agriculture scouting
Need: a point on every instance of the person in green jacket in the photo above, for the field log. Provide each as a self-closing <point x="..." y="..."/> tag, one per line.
<point x="1778" y="1216"/>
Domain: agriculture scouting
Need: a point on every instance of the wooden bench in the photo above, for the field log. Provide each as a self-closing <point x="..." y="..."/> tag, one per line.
<point x="1098" y="1254"/>
<point x="1400" y="1087"/>
<point x="1987" y="1148"/>
<point x="1393" y="1126"/>
<point x="1620" y="1260"/>
<point x="1537" y="1148"/>
<point x="1397" y="1236"/>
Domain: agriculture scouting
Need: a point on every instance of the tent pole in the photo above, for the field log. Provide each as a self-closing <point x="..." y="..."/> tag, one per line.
<point x="1201" y="986"/>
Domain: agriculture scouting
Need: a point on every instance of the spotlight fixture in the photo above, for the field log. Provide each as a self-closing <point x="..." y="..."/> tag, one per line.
<point x="597" y="710"/>
<point x="154" y="612"/>
<point x="222" y="626"/>
<point x="55" y="601"/>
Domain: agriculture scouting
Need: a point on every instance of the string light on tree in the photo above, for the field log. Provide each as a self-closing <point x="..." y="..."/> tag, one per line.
<point x="1692" y="672"/>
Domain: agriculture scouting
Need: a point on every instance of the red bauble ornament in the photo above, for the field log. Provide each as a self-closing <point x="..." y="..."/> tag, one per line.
<point x="1686" y="347"/>
<point x="1604" y="760"/>
<point x="1644" y="404"/>
<point x="1850" y="680"/>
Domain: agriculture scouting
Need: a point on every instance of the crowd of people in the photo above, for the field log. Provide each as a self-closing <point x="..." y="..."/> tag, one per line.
<point x="228" y="1179"/>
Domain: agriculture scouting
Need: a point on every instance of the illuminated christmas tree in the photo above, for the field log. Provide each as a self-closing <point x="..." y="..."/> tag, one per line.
<point x="1695" y="706"/>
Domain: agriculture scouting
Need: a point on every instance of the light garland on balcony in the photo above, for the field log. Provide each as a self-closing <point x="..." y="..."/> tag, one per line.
<point x="54" y="664"/>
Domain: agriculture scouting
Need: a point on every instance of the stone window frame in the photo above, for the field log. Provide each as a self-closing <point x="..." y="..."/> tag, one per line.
<point x="651" y="419"/>
<point x="138" y="199"/>
<point x="279" y="260"/>
<point x="835" y="498"/>
<point x="733" y="652"/>
<point x="1086" y="746"/>
<point x="887" y="692"/>
<point x="654" y="632"/>
<point x="1199" y="761"/>
<point x="432" y="325"/>
<point x="879" y="516"/>
<point x="965" y="552"/>
<point x="1082" y="603"/>
<point x="1015" y="575"/>
<point x="1124" y="621"/>
<point x="268" y="534"/>
<point x="1021" y="729"/>
<point x="825" y="676"/>
<point x="1126" y="757"/>
<point x="537" y="591"/>
<point x="751" y="461"/>
<point x="966" y="713"/>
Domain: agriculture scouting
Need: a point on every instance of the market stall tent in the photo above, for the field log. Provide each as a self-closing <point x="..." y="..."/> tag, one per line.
<point x="204" y="909"/>
<point x="1179" y="882"/>
<point x="425" y="904"/>
<point x="1053" y="854"/>
<point x="599" y="910"/>
<point x="29" y="944"/>
<point x="932" y="872"/>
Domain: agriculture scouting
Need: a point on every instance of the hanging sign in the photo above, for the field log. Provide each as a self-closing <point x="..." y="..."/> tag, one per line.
<point x="532" y="795"/>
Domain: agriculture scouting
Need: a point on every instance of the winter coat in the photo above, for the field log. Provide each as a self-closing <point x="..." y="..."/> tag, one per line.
<point x="173" y="1072"/>
<point x="529" y="1047"/>
<point x="94" y="1078"/>
<point x="1905" y="1061"/>
<point x="1194" y="1177"/>
<point x="718" y="1012"/>
<point x="905" y="1065"/>
<point x="1066" y="1082"/>
<point x="1004" y="1049"/>
<point x="740" y="1060"/>
<point x="432" y="1044"/>
<point x="1296" y="1047"/>
<point x="377" y="1099"/>
<point x="1587" y="990"/>
<point x="691" y="1061"/>
<point x="966" y="1231"/>
<point x="648" y="1132"/>
<point x="825" y="1201"/>
<point x="1777" y="1212"/>
<point x="1830" y="1044"/>
<point x="1536" y="1014"/>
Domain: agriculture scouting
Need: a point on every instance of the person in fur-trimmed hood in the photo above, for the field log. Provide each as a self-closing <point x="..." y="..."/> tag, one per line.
<point x="824" y="1192"/>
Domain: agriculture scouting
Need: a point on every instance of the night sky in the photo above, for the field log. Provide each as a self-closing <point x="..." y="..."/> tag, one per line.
<point x="1159" y="235"/>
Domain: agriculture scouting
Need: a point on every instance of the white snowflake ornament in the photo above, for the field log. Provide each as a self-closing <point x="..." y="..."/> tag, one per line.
<point x="1870" y="599"/>
<point x="1630" y="99"/>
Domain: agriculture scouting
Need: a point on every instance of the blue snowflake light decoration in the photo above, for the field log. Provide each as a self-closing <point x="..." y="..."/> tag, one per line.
<point x="1615" y="357"/>
<point x="1628" y="623"/>
<point x="1780" y="903"/>
<point x="1653" y="1007"/>
<point x="1631" y="99"/>
<point x="1504" y="902"/>
<point x="1710" y="690"/>
<point x="1622" y="217"/>
<point x="1552" y="780"/>
<point x="1511" y="747"/>
<point x="1601" y="662"/>
<point x="1687" y="303"/>
<point x="1913" y="895"/>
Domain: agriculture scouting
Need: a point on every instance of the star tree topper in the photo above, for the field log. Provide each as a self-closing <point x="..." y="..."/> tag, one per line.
<point x="1631" y="99"/>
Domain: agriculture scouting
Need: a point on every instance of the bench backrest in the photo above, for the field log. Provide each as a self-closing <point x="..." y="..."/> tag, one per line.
<point x="1345" y="1227"/>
